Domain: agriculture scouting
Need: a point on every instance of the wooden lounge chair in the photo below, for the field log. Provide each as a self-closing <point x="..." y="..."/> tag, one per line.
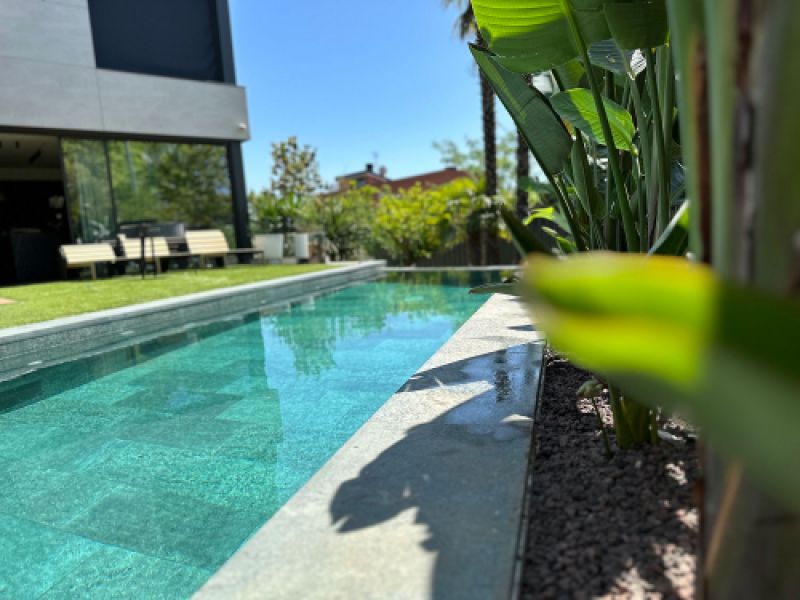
<point x="81" y="256"/>
<point x="155" y="249"/>
<point x="211" y="243"/>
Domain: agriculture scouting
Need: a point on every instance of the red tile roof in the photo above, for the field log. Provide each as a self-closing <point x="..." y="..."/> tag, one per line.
<point x="378" y="180"/>
<point x="432" y="179"/>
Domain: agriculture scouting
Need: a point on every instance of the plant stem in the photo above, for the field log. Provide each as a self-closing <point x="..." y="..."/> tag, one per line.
<point x="606" y="442"/>
<point x="645" y="160"/>
<point x="565" y="205"/>
<point x="631" y="237"/>
<point x="669" y="95"/>
<point x="663" y="157"/>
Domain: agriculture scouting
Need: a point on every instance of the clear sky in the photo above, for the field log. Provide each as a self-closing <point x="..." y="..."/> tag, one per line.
<point x="355" y="79"/>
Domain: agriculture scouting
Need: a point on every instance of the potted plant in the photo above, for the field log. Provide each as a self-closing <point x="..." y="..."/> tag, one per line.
<point x="267" y="213"/>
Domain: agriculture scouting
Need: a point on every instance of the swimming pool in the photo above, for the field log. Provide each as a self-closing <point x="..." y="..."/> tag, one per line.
<point x="138" y="472"/>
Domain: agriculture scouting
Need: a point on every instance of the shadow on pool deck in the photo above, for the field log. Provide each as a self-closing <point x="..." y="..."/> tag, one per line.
<point x="463" y="472"/>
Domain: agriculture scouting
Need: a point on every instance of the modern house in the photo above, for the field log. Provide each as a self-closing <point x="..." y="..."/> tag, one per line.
<point x="379" y="179"/>
<point x="111" y="112"/>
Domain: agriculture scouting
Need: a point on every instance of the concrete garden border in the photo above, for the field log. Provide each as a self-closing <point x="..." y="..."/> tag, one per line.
<point x="426" y="499"/>
<point x="38" y="345"/>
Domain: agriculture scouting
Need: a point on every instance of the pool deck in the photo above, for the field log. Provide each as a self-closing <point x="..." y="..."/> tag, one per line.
<point x="38" y="345"/>
<point x="425" y="500"/>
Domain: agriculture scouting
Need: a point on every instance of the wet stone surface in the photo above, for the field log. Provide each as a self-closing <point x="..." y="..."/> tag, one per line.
<point x="598" y="528"/>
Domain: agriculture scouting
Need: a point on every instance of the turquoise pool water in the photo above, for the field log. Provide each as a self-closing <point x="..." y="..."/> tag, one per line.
<point x="137" y="473"/>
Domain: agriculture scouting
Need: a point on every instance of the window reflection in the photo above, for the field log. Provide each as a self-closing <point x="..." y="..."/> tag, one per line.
<point x="89" y="190"/>
<point x="172" y="183"/>
<point x="114" y="182"/>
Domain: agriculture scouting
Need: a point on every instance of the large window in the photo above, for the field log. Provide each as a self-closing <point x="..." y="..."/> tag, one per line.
<point x="173" y="38"/>
<point x="114" y="182"/>
<point x="89" y="190"/>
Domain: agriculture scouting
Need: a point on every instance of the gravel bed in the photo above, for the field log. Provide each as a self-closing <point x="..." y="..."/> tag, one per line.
<point x="619" y="528"/>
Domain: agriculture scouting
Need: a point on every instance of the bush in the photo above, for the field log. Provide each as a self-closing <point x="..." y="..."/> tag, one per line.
<point x="345" y="218"/>
<point x="413" y="224"/>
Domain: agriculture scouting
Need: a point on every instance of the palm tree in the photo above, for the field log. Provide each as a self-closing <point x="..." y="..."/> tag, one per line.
<point x="523" y="172"/>
<point x="466" y="28"/>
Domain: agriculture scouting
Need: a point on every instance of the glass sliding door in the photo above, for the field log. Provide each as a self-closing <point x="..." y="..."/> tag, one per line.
<point x="117" y="181"/>
<point x="172" y="183"/>
<point x="89" y="190"/>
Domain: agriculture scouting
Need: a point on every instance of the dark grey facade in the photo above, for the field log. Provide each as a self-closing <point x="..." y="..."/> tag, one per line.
<point x="128" y="111"/>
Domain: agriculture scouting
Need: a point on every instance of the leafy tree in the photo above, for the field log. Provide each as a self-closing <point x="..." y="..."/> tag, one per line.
<point x="295" y="174"/>
<point x="414" y="223"/>
<point x="345" y="218"/>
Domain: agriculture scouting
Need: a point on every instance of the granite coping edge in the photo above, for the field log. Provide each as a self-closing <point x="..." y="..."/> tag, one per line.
<point x="14" y="334"/>
<point x="457" y="435"/>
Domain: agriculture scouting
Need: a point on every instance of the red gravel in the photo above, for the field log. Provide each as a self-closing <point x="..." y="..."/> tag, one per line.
<point x="619" y="528"/>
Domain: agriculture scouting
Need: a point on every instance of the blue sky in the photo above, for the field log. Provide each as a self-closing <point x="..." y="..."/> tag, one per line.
<point x="354" y="78"/>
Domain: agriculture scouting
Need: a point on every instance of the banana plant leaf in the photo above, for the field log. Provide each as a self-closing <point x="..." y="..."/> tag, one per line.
<point x="675" y="239"/>
<point x="530" y="36"/>
<point x="571" y="74"/>
<point x="673" y="335"/>
<point x="543" y="131"/>
<point x="522" y="238"/>
<point x="638" y="24"/>
<point x="609" y="56"/>
<point x="549" y="214"/>
<point x="578" y="108"/>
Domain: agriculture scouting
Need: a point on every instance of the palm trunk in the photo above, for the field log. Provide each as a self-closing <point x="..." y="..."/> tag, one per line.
<point x="489" y="130"/>
<point x="489" y="140"/>
<point x="523" y="171"/>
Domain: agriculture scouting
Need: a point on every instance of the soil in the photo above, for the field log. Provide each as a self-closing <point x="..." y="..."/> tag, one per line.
<point x="623" y="527"/>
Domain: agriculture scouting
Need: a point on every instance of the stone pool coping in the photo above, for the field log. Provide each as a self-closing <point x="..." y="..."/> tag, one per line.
<point x="38" y="345"/>
<point x="426" y="499"/>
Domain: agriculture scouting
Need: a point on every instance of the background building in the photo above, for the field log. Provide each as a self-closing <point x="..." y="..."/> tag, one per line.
<point x="114" y="111"/>
<point x="378" y="180"/>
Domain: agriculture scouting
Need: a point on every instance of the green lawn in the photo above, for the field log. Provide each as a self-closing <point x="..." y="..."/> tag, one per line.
<point x="45" y="301"/>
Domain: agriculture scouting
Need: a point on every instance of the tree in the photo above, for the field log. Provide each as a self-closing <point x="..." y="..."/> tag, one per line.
<point x="466" y="27"/>
<point x="523" y="172"/>
<point x="345" y="218"/>
<point x="295" y="173"/>
<point x="471" y="158"/>
<point x="414" y="223"/>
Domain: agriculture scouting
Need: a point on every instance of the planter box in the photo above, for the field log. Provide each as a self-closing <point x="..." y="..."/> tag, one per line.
<point x="301" y="247"/>
<point x="271" y="244"/>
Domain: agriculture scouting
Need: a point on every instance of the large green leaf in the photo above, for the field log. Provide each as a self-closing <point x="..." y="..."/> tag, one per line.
<point x="609" y="56"/>
<point x="543" y="131"/>
<point x="578" y="108"/>
<point x="571" y="74"/>
<point x="638" y="24"/>
<point x="672" y="334"/>
<point x="550" y="215"/>
<point x="583" y="179"/>
<point x="533" y="35"/>
<point x="675" y="239"/>
<point x="522" y="237"/>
